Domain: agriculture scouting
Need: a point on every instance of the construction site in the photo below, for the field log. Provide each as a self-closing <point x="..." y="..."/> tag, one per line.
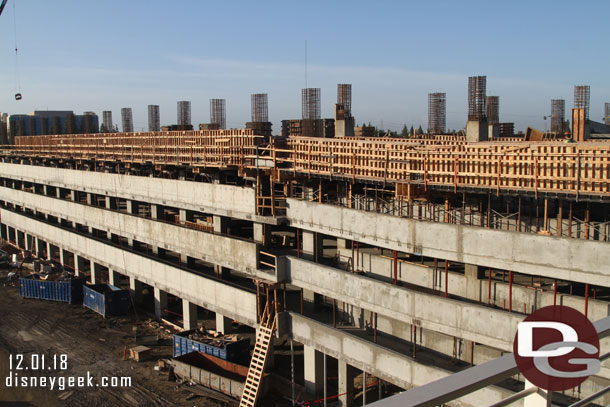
<point x="328" y="268"/>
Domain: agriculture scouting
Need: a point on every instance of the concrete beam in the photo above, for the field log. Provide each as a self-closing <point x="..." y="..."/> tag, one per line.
<point x="233" y="253"/>
<point x="214" y="295"/>
<point x="225" y="200"/>
<point x="470" y="321"/>
<point x="578" y="260"/>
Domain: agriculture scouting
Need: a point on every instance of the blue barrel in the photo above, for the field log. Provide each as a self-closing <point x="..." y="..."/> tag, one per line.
<point x="70" y="290"/>
<point x="106" y="299"/>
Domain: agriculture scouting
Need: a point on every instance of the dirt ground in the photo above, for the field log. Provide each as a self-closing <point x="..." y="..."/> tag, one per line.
<point x="92" y="344"/>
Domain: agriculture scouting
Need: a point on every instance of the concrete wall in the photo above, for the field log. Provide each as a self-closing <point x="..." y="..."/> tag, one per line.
<point x="211" y="294"/>
<point x="236" y="254"/>
<point x="377" y="360"/>
<point x="555" y="257"/>
<point x="226" y="200"/>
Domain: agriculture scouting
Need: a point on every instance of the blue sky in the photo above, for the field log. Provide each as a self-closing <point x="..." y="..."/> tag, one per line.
<point x="104" y="55"/>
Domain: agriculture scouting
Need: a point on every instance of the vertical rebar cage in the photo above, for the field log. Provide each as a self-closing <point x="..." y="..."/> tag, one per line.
<point x="218" y="113"/>
<point x="492" y="106"/>
<point x="311" y="103"/>
<point x="607" y="113"/>
<point x="476" y="97"/>
<point x="127" y="119"/>
<point x="344" y="97"/>
<point x="107" y="120"/>
<point x="154" y="118"/>
<point x="582" y="95"/>
<point x="260" y="107"/>
<point x="558" y="113"/>
<point x="437" y="113"/>
<point x="184" y="113"/>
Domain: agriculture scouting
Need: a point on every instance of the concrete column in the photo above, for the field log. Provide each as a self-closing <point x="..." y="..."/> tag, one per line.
<point x="189" y="315"/>
<point x="536" y="399"/>
<point x="28" y="242"/>
<point x="311" y="246"/>
<point x="347" y="374"/>
<point x="61" y="256"/>
<point x="160" y="302"/>
<point x="73" y="195"/>
<point x="58" y="192"/>
<point x="156" y="211"/>
<point x="223" y="324"/>
<point x="261" y="233"/>
<point x="130" y="206"/>
<point x="47" y="248"/>
<point x="221" y="224"/>
<point x="311" y="301"/>
<point x="89" y="198"/>
<point x="95" y="272"/>
<point x="113" y="277"/>
<point x="313" y="370"/>
<point x="110" y="202"/>
<point x="473" y="275"/>
<point x="45" y="189"/>
<point x="135" y="288"/>
<point x="341" y="243"/>
<point x="79" y="263"/>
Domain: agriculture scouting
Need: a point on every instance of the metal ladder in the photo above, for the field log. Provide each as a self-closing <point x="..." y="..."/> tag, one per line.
<point x="259" y="359"/>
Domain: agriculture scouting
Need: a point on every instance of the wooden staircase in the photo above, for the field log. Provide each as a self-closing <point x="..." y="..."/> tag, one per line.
<point x="264" y="337"/>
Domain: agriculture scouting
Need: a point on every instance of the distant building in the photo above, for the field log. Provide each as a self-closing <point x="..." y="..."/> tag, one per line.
<point x="313" y="127"/>
<point x="42" y="122"/>
<point x="365" y="131"/>
<point x="4" y="128"/>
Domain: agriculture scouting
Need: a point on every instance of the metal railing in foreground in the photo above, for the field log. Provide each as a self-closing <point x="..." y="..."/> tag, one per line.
<point x="470" y="380"/>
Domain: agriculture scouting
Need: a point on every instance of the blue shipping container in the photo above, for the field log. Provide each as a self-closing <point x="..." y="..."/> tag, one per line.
<point x="236" y="351"/>
<point x="106" y="299"/>
<point x="66" y="291"/>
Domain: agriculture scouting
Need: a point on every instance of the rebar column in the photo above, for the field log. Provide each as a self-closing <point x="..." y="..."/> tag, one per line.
<point x="218" y="113"/>
<point x="260" y="112"/>
<point x="437" y="113"/>
<point x="558" y="112"/>
<point x="476" y="97"/>
<point x="582" y="94"/>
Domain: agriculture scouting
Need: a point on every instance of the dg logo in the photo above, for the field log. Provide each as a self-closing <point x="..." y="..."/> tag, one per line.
<point x="557" y="348"/>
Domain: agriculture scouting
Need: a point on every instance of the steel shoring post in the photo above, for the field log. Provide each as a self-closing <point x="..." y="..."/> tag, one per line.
<point x="510" y="292"/>
<point x="325" y="383"/>
<point x="555" y="293"/>
<point x="586" y="299"/>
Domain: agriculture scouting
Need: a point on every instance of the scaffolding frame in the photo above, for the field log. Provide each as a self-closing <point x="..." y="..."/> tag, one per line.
<point x="558" y="113"/>
<point x="493" y="109"/>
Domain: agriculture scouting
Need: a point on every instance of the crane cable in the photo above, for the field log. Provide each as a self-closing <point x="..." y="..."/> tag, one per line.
<point x="17" y="80"/>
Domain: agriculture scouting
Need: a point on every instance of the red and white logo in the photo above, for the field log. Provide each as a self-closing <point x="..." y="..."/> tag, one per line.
<point x="557" y="348"/>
